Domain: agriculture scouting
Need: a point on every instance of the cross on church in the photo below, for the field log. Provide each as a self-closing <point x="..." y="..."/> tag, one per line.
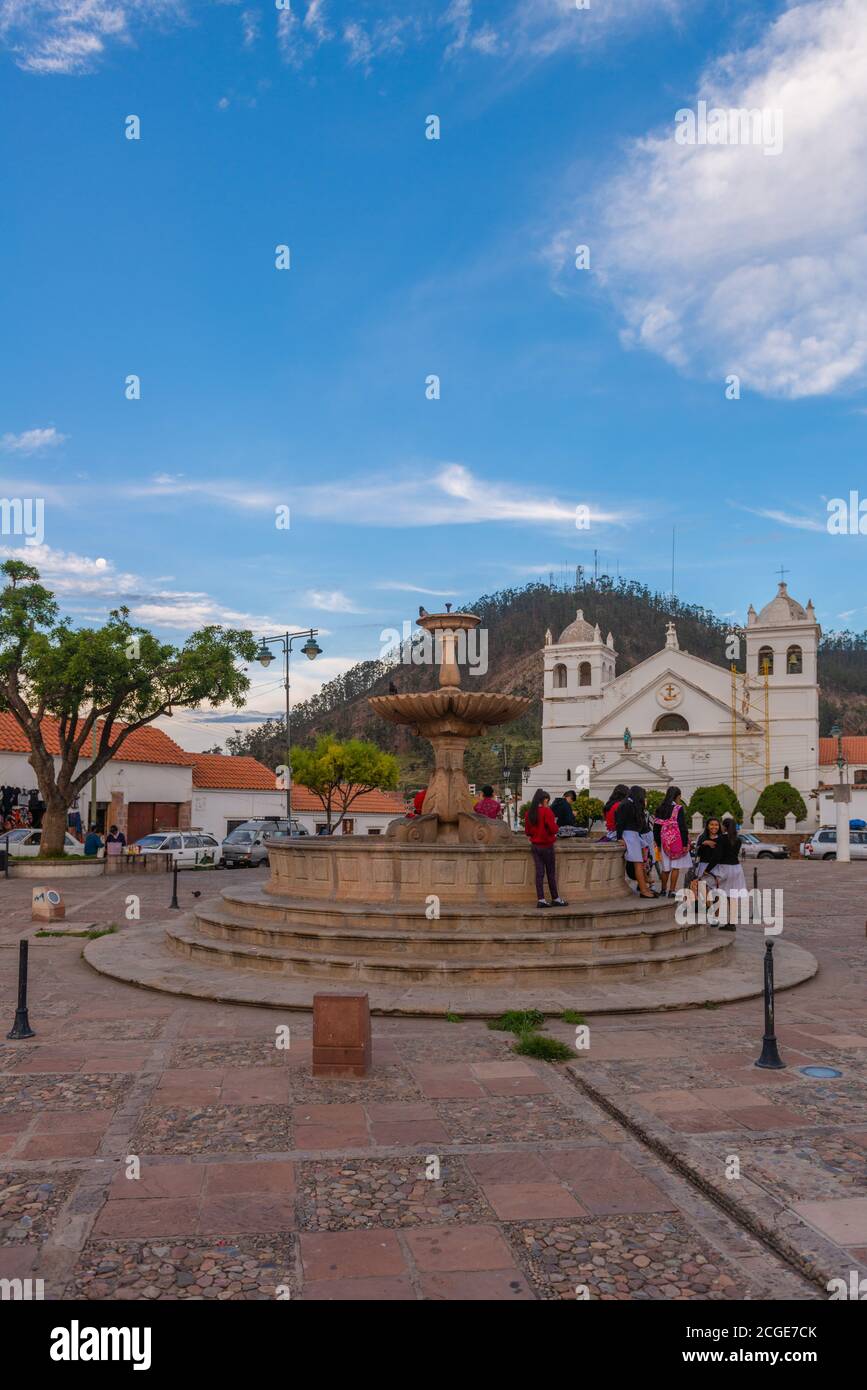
<point x="783" y="572"/>
<point x="670" y="691"/>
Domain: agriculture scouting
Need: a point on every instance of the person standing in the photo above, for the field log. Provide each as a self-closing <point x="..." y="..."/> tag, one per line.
<point x="632" y="825"/>
<point x="93" y="842"/>
<point x="671" y="835"/>
<point x="610" y="809"/>
<point x="729" y="871"/>
<point x="541" y="828"/>
<point x="115" y="841"/>
<point x="488" y="805"/>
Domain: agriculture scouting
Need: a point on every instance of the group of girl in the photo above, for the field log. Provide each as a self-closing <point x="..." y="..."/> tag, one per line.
<point x="717" y="862"/>
<point x="713" y="862"/>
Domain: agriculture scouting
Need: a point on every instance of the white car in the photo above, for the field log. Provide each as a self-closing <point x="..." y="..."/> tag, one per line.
<point x="754" y="848"/>
<point x="823" y="845"/>
<point x="188" y="848"/>
<point x="24" y="843"/>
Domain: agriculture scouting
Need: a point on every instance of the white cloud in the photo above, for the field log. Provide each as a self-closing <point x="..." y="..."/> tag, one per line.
<point x="800" y="523"/>
<point x="69" y="36"/>
<point x="723" y="259"/>
<point x="450" y="496"/>
<point x="30" y="441"/>
<point x="399" y="587"/>
<point x="299" y="36"/>
<point x="331" y="601"/>
<point x="251" y="23"/>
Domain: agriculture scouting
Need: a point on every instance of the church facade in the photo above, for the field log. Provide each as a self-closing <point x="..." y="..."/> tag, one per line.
<point x="677" y="718"/>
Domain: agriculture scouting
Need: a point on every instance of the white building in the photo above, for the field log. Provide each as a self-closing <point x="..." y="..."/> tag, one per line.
<point x="228" y="790"/>
<point x="854" y="772"/>
<point x="676" y="718"/>
<point x="148" y="787"/>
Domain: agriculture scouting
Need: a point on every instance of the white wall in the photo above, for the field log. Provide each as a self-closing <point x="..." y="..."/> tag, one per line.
<point x="213" y="807"/>
<point x="137" y="781"/>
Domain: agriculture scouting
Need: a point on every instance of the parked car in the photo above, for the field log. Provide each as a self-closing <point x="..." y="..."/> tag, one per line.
<point x="823" y="844"/>
<point x="273" y="825"/>
<point x="245" y="847"/>
<point x="754" y="848"/>
<point x="24" y="843"/>
<point x="188" y="848"/>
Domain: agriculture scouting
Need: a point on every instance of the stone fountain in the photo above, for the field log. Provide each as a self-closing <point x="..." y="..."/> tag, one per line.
<point x="439" y="914"/>
<point x="448" y="718"/>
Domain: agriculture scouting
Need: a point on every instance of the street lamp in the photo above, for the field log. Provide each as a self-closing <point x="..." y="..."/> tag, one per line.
<point x="311" y="650"/>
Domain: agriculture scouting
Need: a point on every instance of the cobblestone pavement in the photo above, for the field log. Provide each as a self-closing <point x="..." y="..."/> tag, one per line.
<point x="154" y="1147"/>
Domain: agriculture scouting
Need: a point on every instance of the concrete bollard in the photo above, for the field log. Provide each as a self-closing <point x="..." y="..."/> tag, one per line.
<point x="47" y="905"/>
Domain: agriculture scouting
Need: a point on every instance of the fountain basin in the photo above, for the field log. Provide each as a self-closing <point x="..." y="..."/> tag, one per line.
<point x="372" y="869"/>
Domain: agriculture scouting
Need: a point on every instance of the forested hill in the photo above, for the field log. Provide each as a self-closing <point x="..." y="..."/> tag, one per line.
<point x="515" y="621"/>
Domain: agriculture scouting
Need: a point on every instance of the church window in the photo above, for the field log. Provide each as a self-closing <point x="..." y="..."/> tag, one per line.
<point x="786" y="773"/>
<point x="794" y="661"/>
<point x="766" y="661"/>
<point x="560" y="676"/>
<point x="861" y="777"/>
<point x="671" y="724"/>
<point x="568" y="774"/>
<point x="584" y="674"/>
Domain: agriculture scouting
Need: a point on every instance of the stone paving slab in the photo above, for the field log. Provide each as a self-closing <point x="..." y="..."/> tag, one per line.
<point x="543" y="1189"/>
<point x="137" y="955"/>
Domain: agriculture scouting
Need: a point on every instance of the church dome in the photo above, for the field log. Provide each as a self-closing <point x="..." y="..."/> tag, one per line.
<point x="578" y="631"/>
<point x="781" y="610"/>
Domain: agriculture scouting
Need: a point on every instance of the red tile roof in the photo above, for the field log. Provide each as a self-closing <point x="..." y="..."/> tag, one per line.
<point x="221" y="770"/>
<point x="854" y="750"/>
<point x="369" y="803"/>
<point x="149" y="745"/>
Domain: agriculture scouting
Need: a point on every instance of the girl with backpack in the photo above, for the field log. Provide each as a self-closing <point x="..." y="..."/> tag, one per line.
<point x="633" y="828"/>
<point x="670" y="834"/>
<point x="540" y="827"/>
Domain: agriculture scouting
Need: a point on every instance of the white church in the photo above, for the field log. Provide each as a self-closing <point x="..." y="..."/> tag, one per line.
<point x="676" y="718"/>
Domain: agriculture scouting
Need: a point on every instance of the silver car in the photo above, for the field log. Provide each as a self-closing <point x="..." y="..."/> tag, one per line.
<point x="823" y="845"/>
<point x="754" y="848"/>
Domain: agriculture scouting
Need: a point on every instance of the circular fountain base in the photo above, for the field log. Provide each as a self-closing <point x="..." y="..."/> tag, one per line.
<point x="430" y="929"/>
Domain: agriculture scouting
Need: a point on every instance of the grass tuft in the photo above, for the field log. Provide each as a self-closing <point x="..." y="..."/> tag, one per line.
<point x="572" y="1016"/>
<point x="517" y="1021"/>
<point x="548" y="1049"/>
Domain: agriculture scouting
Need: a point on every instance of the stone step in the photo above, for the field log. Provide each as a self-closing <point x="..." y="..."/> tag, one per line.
<point x="359" y="941"/>
<point x="505" y="972"/>
<point x="253" y="904"/>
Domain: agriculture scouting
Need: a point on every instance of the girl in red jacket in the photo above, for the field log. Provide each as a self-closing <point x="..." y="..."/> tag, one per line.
<point x="541" y="828"/>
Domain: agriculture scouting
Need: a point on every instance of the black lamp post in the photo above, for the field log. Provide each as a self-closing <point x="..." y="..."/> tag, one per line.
<point x="311" y="650"/>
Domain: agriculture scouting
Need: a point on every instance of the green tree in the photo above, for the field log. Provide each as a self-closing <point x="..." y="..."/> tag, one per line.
<point x="104" y="682"/>
<point x="715" y="801"/>
<point x="776" y="801"/>
<point x="338" y="773"/>
<point x="588" y="809"/>
<point x="655" y="798"/>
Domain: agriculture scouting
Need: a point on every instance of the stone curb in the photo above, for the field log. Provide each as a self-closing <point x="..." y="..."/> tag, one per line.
<point x="754" y="1209"/>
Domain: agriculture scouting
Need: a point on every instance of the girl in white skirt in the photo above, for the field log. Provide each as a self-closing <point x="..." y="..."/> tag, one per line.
<point x="728" y="870"/>
<point x="670" y="834"/>
<point x="633" y="828"/>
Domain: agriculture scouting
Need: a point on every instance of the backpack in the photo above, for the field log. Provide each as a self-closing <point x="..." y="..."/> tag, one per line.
<point x="670" y="837"/>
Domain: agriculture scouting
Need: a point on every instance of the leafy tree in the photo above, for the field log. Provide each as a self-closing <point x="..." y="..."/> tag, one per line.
<point x="715" y="801"/>
<point x="654" y="800"/>
<point x="776" y="801"/>
<point x="338" y="773"/>
<point x="112" y="680"/>
<point x="588" y="809"/>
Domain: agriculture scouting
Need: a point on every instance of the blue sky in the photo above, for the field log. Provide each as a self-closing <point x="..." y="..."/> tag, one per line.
<point x="412" y="257"/>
